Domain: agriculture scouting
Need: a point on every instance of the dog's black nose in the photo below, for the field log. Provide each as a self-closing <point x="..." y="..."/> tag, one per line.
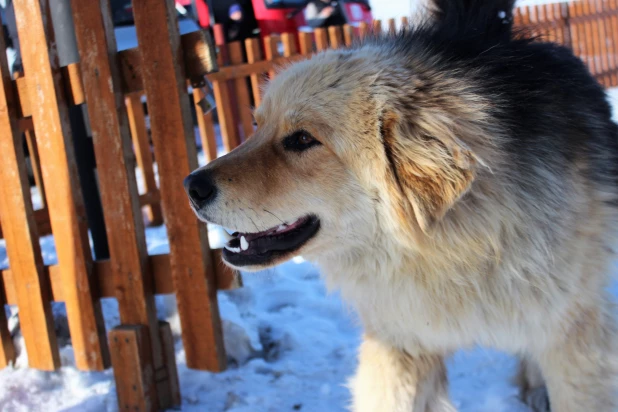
<point x="201" y="188"/>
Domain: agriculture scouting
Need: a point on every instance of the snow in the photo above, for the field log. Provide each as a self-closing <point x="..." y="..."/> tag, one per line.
<point x="290" y="344"/>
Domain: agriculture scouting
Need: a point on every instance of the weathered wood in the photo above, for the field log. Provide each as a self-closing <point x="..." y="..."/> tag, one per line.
<point x="51" y="121"/>
<point x="348" y="35"/>
<point x="169" y="355"/>
<point x="289" y="44"/>
<point x="377" y="27"/>
<point x="242" y="91"/>
<point x="7" y="348"/>
<point x="223" y="97"/>
<point x="392" y="26"/>
<point x="22" y="240"/>
<point x="363" y="30"/>
<point x="254" y="55"/>
<point x="175" y="150"/>
<point x="104" y="271"/>
<point x="112" y="144"/>
<point x="321" y="39"/>
<point x="335" y="36"/>
<point x="206" y="126"/>
<point x="143" y="155"/>
<point x="306" y="43"/>
<point x="35" y="162"/>
<point x="133" y="371"/>
<point x="271" y="52"/>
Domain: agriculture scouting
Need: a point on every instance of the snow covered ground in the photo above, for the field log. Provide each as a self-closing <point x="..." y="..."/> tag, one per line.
<point x="291" y="346"/>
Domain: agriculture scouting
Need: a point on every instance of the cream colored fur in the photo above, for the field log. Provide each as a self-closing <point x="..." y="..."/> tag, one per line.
<point x="441" y="253"/>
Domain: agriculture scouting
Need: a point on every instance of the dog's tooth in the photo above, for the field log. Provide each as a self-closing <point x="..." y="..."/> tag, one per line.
<point x="244" y="245"/>
<point x="227" y="236"/>
<point x="281" y="227"/>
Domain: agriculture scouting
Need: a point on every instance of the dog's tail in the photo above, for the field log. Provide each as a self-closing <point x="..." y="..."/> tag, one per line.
<point x="485" y="20"/>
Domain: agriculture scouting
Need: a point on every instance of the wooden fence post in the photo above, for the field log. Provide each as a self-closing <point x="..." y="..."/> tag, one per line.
<point x="242" y="91"/>
<point x="174" y="142"/>
<point x="254" y="54"/>
<point x="123" y="220"/>
<point x="65" y="203"/>
<point x="223" y="97"/>
<point x="139" y="135"/>
<point x="22" y="241"/>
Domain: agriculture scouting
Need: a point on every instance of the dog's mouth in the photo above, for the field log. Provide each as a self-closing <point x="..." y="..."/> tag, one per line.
<point x="264" y="248"/>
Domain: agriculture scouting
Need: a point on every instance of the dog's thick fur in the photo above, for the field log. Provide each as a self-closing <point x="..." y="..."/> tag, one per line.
<point x="466" y="186"/>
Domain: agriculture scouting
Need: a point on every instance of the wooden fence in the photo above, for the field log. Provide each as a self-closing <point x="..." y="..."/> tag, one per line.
<point x="36" y="106"/>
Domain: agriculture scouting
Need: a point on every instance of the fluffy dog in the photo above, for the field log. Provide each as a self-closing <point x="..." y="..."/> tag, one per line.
<point x="458" y="184"/>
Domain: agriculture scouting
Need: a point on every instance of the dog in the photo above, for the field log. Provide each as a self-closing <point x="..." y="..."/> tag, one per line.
<point x="458" y="183"/>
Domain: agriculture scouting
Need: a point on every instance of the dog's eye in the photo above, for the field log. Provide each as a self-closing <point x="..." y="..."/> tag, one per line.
<point x="299" y="141"/>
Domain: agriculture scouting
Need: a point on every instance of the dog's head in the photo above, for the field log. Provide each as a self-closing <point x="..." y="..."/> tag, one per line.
<point x="351" y="147"/>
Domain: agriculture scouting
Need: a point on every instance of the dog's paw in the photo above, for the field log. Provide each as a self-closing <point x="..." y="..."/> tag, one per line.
<point x="537" y="399"/>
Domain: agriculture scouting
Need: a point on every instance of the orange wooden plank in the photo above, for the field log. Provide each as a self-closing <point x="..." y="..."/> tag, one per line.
<point x="289" y="44"/>
<point x="22" y="241"/>
<point x="271" y="52"/>
<point x="363" y="30"/>
<point x="104" y="271"/>
<point x="169" y="353"/>
<point x="174" y="142"/>
<point x="134" y="375"/>
<point x="348" y="35"/>
<point x="7" y="348"/>
<point x="321" y="39"/>
<point x="377" y="27"/>
<point x="112" y="145"/>
<point x="35" y="162"/>
<point x="143" y="154"/>
<point x="335" y="36"/>
<point x="392" y="26"/>
<point x="224" y="97"/>
<point x="242" y="91"/>
<point x="254" y="55"/>
<point x="51" y="121"/>
<point x="206" y="127"/>
<point x="306" y="43"/>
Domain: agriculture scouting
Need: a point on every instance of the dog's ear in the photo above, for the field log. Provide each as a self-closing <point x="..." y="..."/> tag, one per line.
<point x="430" y="169"/>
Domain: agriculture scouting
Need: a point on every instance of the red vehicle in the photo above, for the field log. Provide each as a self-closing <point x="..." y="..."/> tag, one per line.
<point x="271" y="16"/>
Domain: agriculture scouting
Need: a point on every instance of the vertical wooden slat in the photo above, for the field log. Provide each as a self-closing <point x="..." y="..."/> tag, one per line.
<point x="404" y="23"/>
<point x="171" y="127"/>
<point x="35" y="162"/>
<point x="392" y="26"/>
<point x="348" y="35"/>
<point x="377" y="27"/>
<point x="242" y="91"/>
<point x="19" y="230"/>
<point x="134" y="374"/>
<point x="336" y="37"/>
<point x="65" y="203"/>
<point x="139" y="135"/>
<point x="254" y="54"/>
<point x="169" y="355"/>
<point x="206" y="127"/>
<point x="306" y="43"/>
<point x="321" y="39"/>
<point x="271" y="52"/>
<point x="7" y="348"/>
<point x="112" y="144"/>
<point x="363" y="30"/>
<point x="289" y="44"/>
<point x="221" y="91"/>
<point x="22" y="243"/>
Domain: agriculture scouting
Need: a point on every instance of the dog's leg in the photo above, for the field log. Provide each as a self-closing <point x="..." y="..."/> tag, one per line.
<point x="532" y="389"/>
<point x="580" y="370"/>
<point x="391" y="380"/>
